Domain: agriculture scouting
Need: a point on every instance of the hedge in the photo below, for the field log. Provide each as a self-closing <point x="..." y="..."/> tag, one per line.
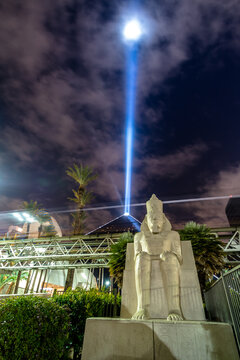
<point x="33" y="328"/>
<point x="82" y="305"/>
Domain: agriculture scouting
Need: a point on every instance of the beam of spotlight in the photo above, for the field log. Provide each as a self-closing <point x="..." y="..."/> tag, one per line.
<point x="132" y="32"/>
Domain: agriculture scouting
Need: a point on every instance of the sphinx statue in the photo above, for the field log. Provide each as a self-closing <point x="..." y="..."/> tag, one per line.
<point x="157" y="241"/>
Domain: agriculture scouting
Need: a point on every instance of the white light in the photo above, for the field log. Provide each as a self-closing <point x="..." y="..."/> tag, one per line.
<point x="126" y="214"/>
<point x="84" y="275"/>
<point x="41" y="250"/>
<point x="132" y="30"/>
<point x="107" y="283"/>
<point x="19" y="229"/>
<point x="18" y="216"/>
<point x="28" y="217"/>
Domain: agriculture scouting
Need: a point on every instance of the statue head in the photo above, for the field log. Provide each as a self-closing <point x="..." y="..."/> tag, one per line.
<point x="155" y="216"/>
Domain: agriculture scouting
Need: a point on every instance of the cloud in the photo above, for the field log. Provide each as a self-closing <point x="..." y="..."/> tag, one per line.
<point x="63" y="82"/>
<point x="212" y="212"/>
<point x="174" y="164"/>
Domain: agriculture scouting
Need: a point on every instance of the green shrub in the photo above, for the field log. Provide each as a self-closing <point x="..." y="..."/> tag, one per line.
<point x="32" y="328"/>
<point x="84" y="304"/>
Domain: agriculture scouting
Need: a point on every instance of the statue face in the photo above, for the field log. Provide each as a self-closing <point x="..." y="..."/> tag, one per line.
<point x="155" y="220"/>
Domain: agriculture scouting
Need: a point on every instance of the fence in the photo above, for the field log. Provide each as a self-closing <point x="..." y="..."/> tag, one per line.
<point x="223" y="301"/>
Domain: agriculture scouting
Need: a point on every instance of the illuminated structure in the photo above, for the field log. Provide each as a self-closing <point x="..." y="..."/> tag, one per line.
<point x="132" y="33"/>
<point x="32" y="228"/>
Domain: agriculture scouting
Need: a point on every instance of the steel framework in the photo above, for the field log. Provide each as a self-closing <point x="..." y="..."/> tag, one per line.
<point x="231" y="239"/>
<point x="88" y="251"/>
<point x="56" y="253"/>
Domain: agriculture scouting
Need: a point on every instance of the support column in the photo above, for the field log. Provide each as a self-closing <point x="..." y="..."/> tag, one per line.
<point x="34" y="280"/>
<point x="28" y="282"/>
<point x="39" y="281"/>
<point x="17" y="282"/>
<point x="45" y="276"/>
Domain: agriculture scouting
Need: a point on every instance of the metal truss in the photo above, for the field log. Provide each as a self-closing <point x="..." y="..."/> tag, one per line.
<point x="88" y="251"/>
<point x="231" y="240"/>
<point x="56" y="253"/>
<point x="232" y="249"/>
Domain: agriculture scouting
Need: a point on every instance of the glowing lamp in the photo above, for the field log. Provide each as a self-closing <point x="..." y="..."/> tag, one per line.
<point x="132" y="30"/>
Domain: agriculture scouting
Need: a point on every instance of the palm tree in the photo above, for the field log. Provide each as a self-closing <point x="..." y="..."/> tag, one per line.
<point x="34" y="209"/>
<point x="118" y="257"/>
<point x="207" y="251"/>
<point x="10" y="279"/>
<point x="83" y="175"/>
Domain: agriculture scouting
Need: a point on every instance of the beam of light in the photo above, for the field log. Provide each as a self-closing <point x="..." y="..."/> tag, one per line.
<point x="132" y="50"/>
<point x="109" y="207"/>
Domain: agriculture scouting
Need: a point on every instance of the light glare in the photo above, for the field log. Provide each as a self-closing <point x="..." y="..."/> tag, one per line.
<point x="28" y="217"/>
<point x="18" y="216"/>
<point x="132" y="30"/>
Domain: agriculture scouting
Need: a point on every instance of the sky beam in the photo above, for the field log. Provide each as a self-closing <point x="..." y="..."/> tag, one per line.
<point x="130" y="115"/>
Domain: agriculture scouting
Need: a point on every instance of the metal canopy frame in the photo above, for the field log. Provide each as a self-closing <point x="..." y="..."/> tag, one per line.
<point x="88" y="251"/>
<point x="56" y="253"/>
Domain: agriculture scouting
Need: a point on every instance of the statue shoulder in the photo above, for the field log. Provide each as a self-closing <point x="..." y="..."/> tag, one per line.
<point x="174" y="235"/>
<point x="138" y="236"/>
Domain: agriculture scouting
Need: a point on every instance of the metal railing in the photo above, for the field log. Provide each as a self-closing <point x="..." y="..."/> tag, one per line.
<point x="223" y="301"/>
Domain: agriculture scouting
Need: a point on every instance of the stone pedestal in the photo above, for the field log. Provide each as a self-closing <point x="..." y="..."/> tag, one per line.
<point x="122" y="339"/>
<point x="190" y="294"/>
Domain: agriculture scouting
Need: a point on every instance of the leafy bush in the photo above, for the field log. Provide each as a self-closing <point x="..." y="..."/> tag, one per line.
<point x="32" y="328"/>
<point x="118" y="257"/>
<point x="82" y="305"/>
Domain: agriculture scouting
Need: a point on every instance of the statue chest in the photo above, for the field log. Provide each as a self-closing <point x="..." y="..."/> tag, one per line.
<point x="155" y="244"/>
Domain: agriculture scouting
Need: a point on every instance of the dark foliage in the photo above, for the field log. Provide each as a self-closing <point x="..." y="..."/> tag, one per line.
<point x="33" y="328"/>
<point x="118" y="257"/>
<point x="82" y="305"/>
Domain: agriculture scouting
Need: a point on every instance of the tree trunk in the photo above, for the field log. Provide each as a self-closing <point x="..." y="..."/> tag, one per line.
<point x="69" y="279"/>
<point x="28" y="282"/>
<point x="10" y="289"/>
<point x="17" y="282"/>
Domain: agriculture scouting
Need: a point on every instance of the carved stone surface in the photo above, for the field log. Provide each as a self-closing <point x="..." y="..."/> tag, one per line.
<point x="157" y="246"/>
<point x="190" y="294"/>
<point x="118" y="339"/>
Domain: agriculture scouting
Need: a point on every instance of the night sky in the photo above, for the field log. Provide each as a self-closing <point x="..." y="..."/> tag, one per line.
<point x="63" y="94"/>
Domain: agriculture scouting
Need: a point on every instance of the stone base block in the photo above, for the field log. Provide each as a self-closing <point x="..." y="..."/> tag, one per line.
<point x="124" y="339"/>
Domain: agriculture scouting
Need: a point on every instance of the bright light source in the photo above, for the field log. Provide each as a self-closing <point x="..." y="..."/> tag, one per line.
<point x="126" y="214"/>
<point x="132" y="30"/>
<point x="107" y="283"/>
<point x="28" y="217"/>
<point x="18" y="216"/>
